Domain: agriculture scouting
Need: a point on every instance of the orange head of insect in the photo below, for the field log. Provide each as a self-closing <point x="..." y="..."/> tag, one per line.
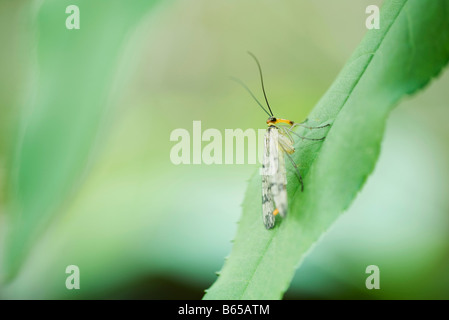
<point x="272" y="121"/>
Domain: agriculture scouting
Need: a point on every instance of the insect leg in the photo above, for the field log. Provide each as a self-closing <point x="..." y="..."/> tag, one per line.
<point x="320" y="139"/>
<point x="296" y="167"/>
<point x="308" y="127"/>
<point x="285" y="130"/>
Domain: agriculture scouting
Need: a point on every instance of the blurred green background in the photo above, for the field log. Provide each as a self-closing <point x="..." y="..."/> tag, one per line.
<point x="85" y="170"/>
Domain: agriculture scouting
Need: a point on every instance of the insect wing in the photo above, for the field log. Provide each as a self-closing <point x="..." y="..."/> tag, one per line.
<point x="279" y="181"/>
<point x="274" y="180"/>
<point x="268" y="170"/>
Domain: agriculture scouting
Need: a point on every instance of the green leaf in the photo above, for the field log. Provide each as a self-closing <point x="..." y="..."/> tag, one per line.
<point x="69" y="97"/>
<point x="410" y="48"/>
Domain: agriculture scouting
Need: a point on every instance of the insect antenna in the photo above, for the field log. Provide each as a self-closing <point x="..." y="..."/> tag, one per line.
<point x="252" y="95"/>
<point x="261" y="80"/>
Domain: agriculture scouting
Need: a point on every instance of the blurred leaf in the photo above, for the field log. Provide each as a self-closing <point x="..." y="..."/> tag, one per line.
<point x="74" y="77"/>
<point x="411" y="47"/>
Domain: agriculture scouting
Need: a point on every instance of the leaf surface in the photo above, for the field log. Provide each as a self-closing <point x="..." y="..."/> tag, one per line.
<point x="410" y="48"/>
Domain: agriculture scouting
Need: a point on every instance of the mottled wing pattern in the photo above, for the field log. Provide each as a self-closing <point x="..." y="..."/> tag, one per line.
<point x="267" y="167"/>
<point x="274" y="180"/>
